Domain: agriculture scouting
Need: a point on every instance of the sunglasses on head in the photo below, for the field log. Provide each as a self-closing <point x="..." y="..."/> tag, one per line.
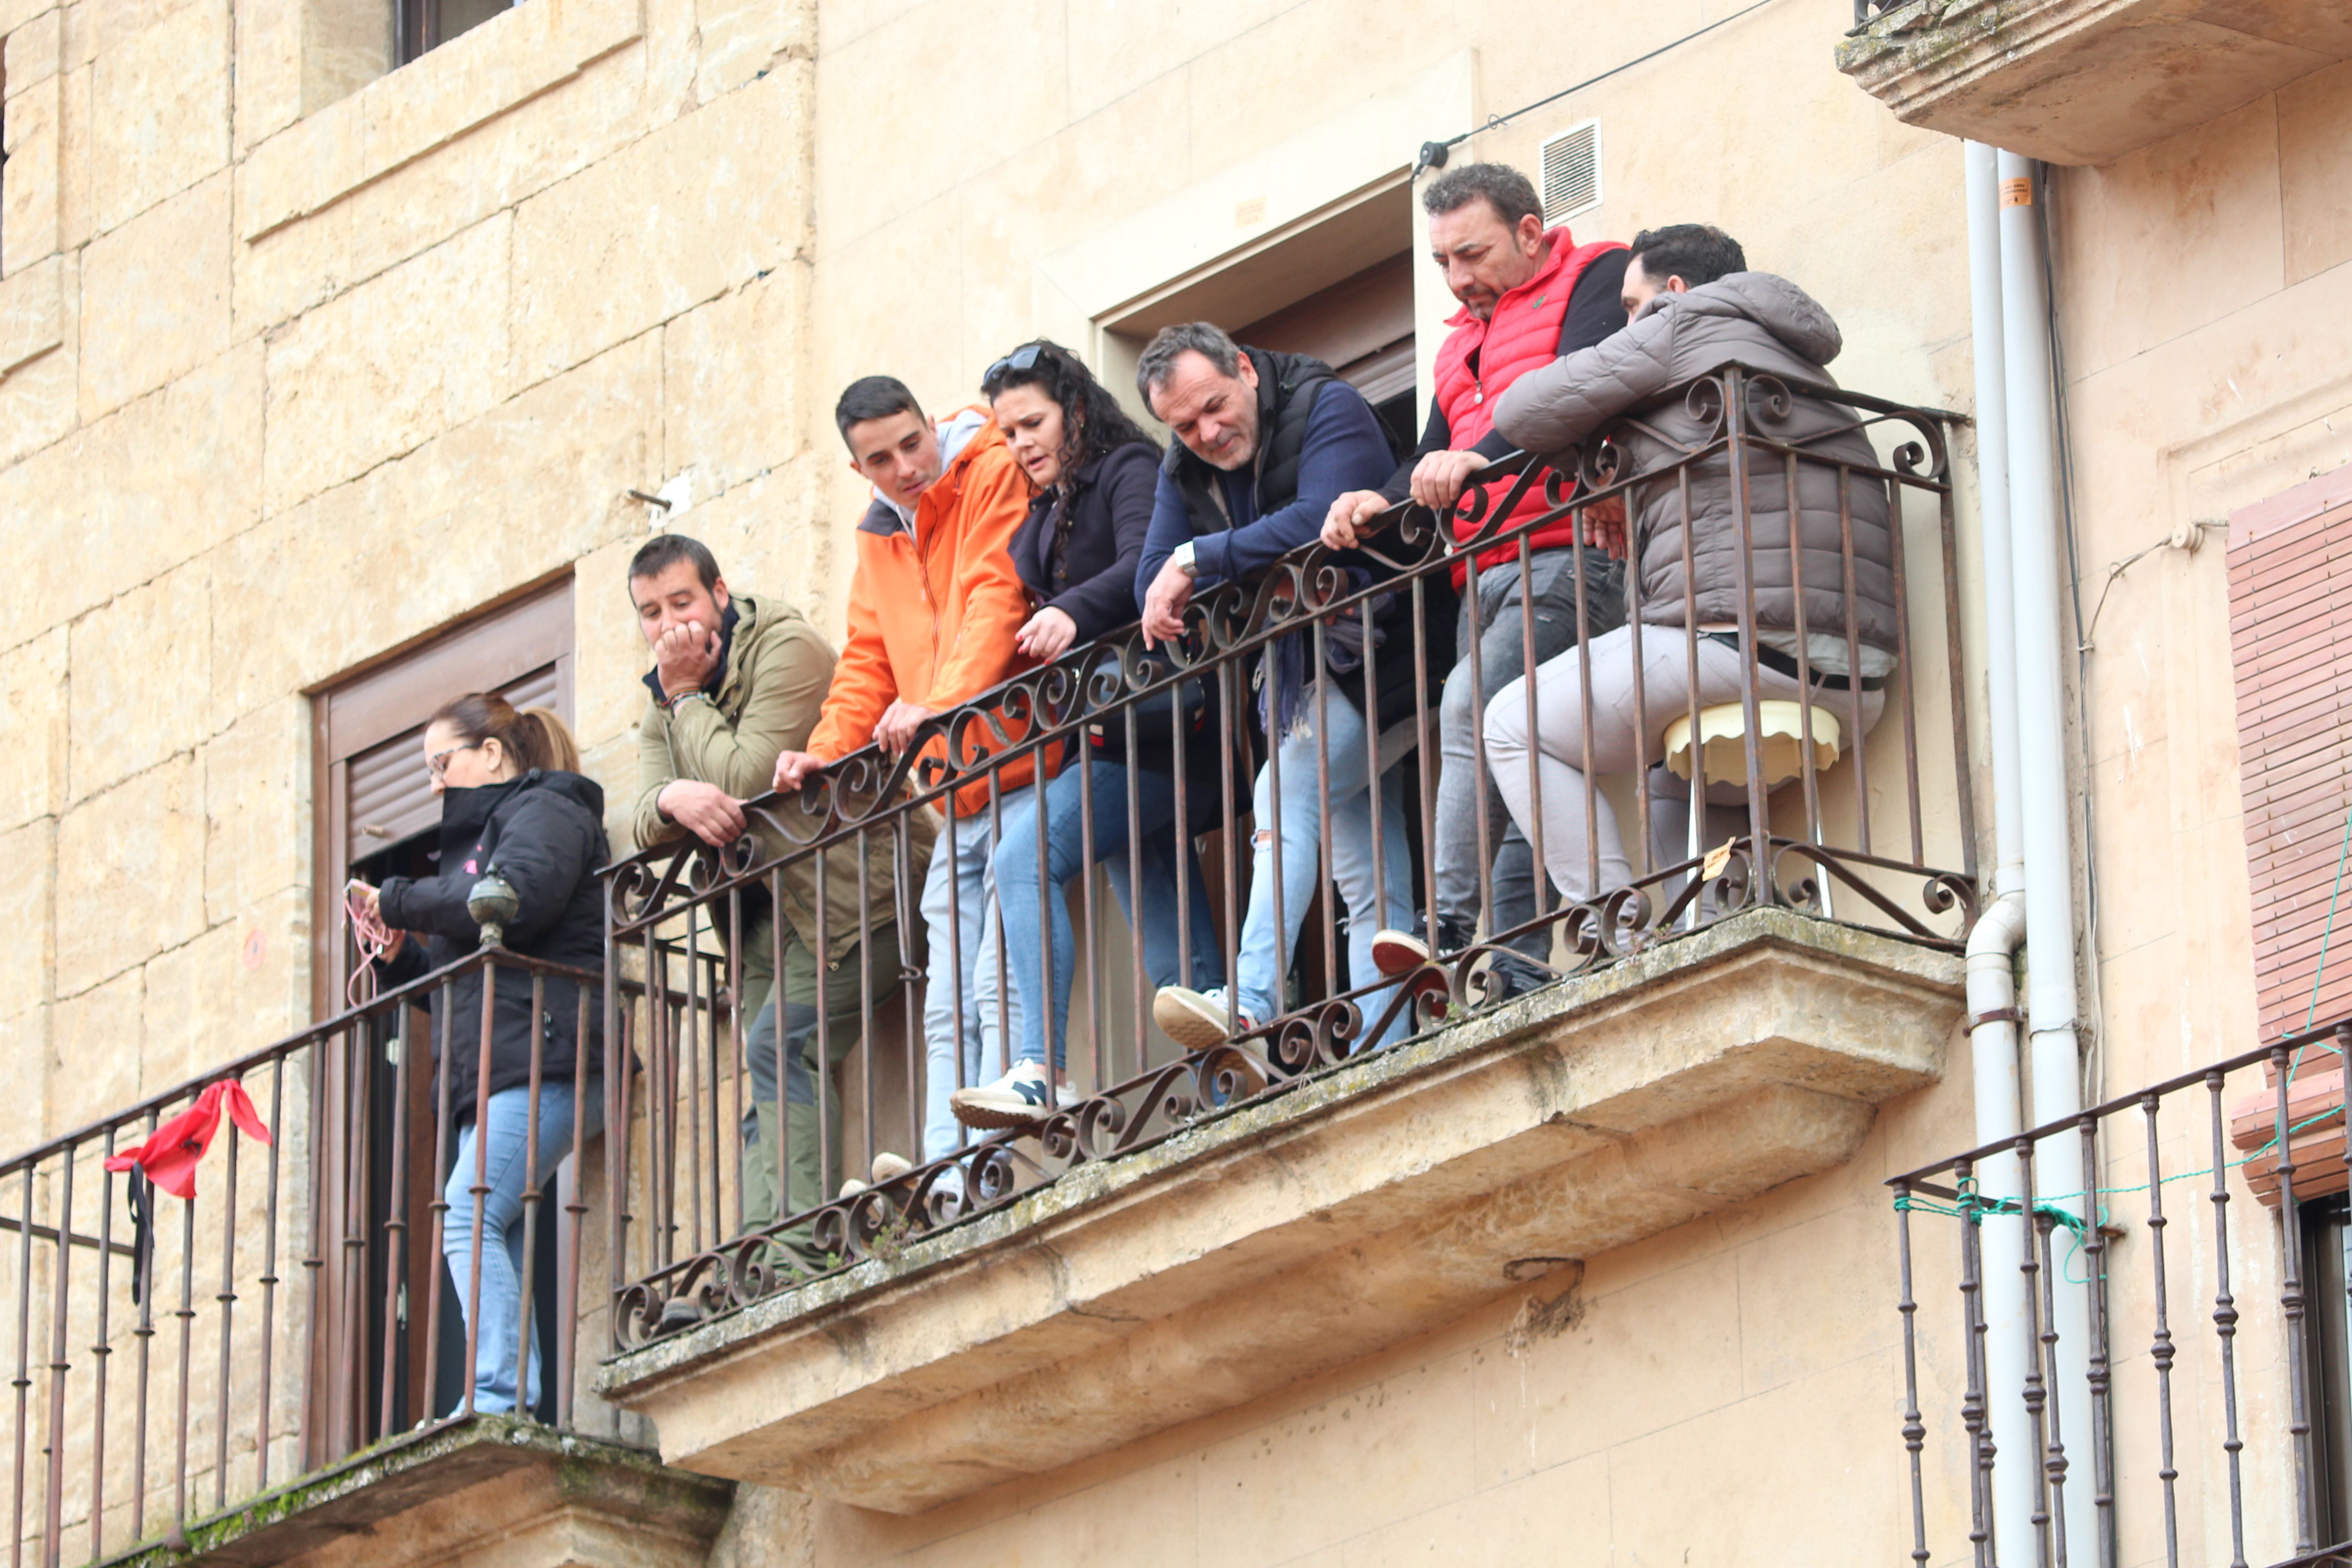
<point x="1021" y="358"/>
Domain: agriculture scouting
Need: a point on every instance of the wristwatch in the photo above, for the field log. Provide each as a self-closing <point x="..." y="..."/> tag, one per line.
<point x="1181" y="558"/>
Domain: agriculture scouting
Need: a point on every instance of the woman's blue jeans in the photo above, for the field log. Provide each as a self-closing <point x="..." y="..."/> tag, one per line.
<point x="1037" y="923"/>
<point x="497" y="1321"/>
<point x="1374" y="897"/>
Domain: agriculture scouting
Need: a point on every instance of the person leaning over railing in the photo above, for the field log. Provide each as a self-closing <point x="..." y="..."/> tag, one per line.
<point x="934" y="609"/>
<point x="513" y="800"/>
<point x="736" y="682"/>
<point x="1528" y="295"/>
<point x="1695" y="309"/>
<point x="1096" y="473"/>
<point x="1267" y="442"/>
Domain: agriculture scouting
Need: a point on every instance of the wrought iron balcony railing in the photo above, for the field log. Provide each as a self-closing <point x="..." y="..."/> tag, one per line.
<point x="173" y="1357"/>
<point x="2110" y="1354"/>
<point x="1816" y="804"/>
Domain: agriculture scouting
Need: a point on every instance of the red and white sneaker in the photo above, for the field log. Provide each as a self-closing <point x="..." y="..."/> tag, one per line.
<point x="1397" y="951"/>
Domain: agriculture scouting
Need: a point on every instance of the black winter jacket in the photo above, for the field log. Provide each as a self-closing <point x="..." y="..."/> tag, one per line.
<point x="544" y="833"/>
<point x="1086" y="568"/>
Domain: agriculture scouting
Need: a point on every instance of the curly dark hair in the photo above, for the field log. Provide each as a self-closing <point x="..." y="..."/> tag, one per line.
<point x="1092" y="421"/>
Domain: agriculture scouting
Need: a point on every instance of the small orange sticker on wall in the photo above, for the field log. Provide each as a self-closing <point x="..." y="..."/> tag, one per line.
<point x="2017" y="192"/>
<point x="253" y="949"/>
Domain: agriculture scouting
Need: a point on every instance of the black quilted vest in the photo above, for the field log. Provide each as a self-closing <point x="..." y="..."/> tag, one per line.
<point x="1287" y="385"/>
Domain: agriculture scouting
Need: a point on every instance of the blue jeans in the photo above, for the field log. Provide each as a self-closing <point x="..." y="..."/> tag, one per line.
<point x="498" y="1326"/>
<point x="1150" y="906"/>
<point x="1372" y="902"/>
<point x="960" y="981"/>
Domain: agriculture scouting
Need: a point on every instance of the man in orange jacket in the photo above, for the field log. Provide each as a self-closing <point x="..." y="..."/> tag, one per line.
<point x="933" y="607"/>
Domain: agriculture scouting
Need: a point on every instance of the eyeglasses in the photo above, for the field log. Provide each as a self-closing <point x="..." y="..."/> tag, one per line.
<point x="1021" y="358"/>
<point x="438" y="764"/>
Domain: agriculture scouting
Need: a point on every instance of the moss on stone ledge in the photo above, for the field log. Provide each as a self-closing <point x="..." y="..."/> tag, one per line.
<point x="414" y="1468"/>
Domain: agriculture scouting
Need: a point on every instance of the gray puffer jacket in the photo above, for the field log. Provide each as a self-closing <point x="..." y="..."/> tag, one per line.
<point x="1770" y="324"/>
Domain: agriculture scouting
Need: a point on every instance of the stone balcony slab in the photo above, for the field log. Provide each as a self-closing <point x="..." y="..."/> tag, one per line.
<point x="1380" y="1199"/>
<point x="2086" y="81"/>
<point x="491" y="1490"/>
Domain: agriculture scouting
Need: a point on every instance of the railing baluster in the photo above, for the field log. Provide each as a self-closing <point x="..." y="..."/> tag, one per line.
<point x="1915" y="1430"/>
<point x="226" y="1296"/>
<point x="2095" y="1258"/>
<point x="2225" y="1325"/>
<point x="53" y="1511"/>
<point x="2160" y="1347"/>
<point x="526" y="1402"/>
<point x="22" y="1382"/>
<point x="1974" y="1415"/>
<point x="101" y="1351"/>
<point x="2290" y="1304"/>
<point x="268" y="1280"/>
<point x="188" y="1316"/>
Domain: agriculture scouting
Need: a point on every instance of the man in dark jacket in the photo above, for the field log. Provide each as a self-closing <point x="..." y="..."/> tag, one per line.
<point x="1695" y="310"/>
<point x="1528" y="295"/>
<point x="1265" y="442"/>
<point x="736" y="682"/>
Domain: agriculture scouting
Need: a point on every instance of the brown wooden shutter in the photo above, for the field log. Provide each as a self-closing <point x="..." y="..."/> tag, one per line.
<point x="389" y="794"/>
<point x="2291" y="640"/>
<point x="1360" y="326"/>
<point x="368" y="769"/>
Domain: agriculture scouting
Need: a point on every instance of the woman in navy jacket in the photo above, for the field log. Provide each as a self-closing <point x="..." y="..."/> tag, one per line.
<point x="1096" y="472"/>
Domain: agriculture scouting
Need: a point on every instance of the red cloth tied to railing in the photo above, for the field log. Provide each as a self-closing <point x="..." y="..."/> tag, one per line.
<point x="169" y="1156"/>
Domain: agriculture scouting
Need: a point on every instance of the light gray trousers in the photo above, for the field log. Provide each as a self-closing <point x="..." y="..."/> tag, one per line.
<point x="1546" y="768"/>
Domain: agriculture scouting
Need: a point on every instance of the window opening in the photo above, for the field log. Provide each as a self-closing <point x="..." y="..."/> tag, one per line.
<point x="1361" y="327"/>
<point x="422" y="25"/>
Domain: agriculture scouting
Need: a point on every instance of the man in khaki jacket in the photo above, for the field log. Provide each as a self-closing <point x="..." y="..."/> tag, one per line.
<point x="736" y="682"/>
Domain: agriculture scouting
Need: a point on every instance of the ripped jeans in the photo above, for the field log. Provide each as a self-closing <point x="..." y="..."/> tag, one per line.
<point x="1374" y="897"/>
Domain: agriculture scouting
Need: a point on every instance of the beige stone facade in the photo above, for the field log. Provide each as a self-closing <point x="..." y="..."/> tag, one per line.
<point x="302" y="361"/>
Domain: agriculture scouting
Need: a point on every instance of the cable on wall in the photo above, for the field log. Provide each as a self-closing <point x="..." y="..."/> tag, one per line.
<point x="1434" y="153"/>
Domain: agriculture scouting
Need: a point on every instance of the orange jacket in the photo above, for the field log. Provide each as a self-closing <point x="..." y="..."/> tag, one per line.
<point x="932" y="617"/>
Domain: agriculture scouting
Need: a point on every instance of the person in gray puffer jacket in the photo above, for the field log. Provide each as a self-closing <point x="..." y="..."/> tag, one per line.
<point x="1693" y="308"/>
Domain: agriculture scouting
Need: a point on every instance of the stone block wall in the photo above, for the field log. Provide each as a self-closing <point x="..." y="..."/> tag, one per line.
<point x="301" y="361"/>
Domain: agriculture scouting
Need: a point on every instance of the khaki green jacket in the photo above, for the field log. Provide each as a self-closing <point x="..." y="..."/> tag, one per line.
<point x="779" y="669"/>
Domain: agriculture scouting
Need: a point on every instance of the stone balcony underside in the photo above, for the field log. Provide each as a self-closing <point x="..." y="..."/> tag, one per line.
<point x="492" y="1488"/>
<point x="2086" y="81"/>
<point x="1274" y="1243"/>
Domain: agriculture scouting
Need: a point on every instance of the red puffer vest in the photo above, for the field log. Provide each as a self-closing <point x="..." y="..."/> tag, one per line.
<point x="1523" y="335"/>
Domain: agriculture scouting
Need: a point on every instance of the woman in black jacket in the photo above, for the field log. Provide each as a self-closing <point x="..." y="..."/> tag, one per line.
<point x="512" y="801"/>
<point x="1095" y="471"/>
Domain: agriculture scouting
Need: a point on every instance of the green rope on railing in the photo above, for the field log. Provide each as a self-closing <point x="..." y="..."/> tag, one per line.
<point x="2328" y="930"/>
<point x="1973" y="1206"/>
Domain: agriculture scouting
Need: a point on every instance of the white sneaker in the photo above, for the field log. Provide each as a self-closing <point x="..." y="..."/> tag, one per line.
<point x="888" y="1167"/>
<point x="1196" y="1019"/>
<point x="1022" y="1098"/>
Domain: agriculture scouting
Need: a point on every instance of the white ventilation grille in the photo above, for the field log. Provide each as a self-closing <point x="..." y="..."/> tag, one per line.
<point x="1571" y="172"/>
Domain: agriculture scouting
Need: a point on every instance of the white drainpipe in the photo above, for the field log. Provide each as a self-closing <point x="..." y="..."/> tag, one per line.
<point x="1994" y="940"/>
<point x="2056" y="1069"/>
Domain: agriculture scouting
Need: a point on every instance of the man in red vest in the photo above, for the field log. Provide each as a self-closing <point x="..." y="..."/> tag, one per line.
<point x="1528" y="295"/>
